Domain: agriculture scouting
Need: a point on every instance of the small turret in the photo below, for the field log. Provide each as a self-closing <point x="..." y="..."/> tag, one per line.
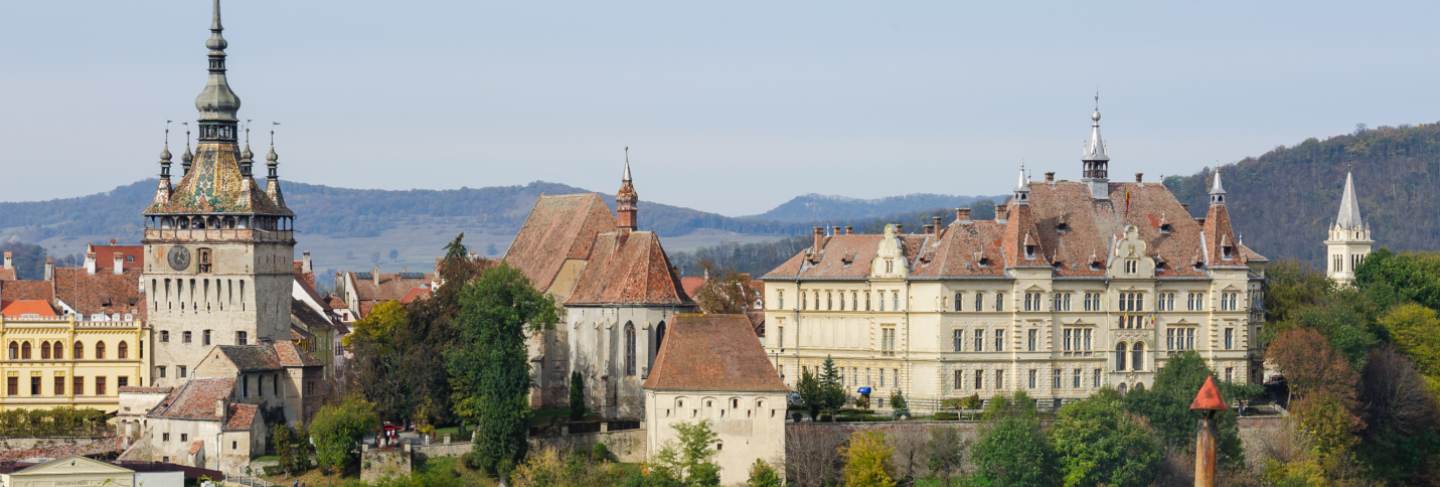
<point x="1096" y="159"/>
<point x="626" y="200"/>
<point x="162" y="190"/>
<point x="272" y="173"/>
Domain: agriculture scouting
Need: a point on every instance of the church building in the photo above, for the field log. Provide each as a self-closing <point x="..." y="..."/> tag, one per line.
<point x="1072" y="287"/>
<point x="1349" y="240"/>
<point x="618" y="290"/>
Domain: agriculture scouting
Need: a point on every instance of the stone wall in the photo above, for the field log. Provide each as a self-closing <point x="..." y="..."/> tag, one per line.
<point x="23" y="448"/>
<point x="380" y="463"/>
<point x="627" y="445"/>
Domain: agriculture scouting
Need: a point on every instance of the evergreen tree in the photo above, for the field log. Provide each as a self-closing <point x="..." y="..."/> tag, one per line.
<point x="811" y="395"/>
<point x="832" y="388"/>
<point x="577" y="395"/>
<point x="489" y="368"/>
<point x="690" y="463"/>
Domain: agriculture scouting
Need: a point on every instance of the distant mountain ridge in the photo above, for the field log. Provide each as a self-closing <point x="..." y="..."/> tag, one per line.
<point x="815" y="207"/>
<point x="1283" y="202"/>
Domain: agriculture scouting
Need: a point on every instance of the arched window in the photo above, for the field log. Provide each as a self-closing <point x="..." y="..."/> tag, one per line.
<point x="79" y="350"/>
<point x="25" y="351"/>
<point x="1120" y="356"/>
<point x="629" y="348"/>
<point x="659" y="336"/>
<point x="99" y="350"/>
<point x="45" y="350"/>
<point x="14" y="351"/>
<point x="59" y="350"/>
<point x="1121" y="388"/>
<point x="1137" y="356"/>
<point x="122" y="351"/>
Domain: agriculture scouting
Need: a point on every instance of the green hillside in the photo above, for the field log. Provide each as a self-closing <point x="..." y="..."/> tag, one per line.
<point x="1284" y="201"/>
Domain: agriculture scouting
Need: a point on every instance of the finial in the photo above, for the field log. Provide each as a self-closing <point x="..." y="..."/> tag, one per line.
<point x="627" y="164"/>
<point x="1095" y="115"/>
<point x="272" y="157"/>
<point x="165" y="152"/>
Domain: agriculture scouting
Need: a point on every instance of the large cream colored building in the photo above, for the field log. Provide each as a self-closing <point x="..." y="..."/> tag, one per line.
<point x="1074" y="286"/>
<point x="53" y="361"/>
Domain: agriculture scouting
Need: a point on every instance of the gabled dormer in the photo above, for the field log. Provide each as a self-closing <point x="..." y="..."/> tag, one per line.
<point x="1129" y="258"/>
<point x="889" y="262"/>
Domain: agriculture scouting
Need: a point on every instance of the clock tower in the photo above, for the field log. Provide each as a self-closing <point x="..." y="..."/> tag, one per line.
<point x="218" y="245"/>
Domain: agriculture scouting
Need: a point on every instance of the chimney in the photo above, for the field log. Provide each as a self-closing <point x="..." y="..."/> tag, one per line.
<point x="49" y="268"/>
<point x="1050" y="177"/>
<point x="305" y="264"/>
<point x="817" y="240"/>
<point x="119" y="263"/>
<point x="962" y="215"/>
<point x="849" y="229"/>
<point x="220" y="406"/>
<point x="1000" y="213"/>
<point x="9" y="260"/>
<point x="927" y="228"/>
<point x="899" y="228"/>
<point x="1139" y="177"/>
<point x="90" y="263"/>
<point x="835" y="230"/>
<point x="375" y="275"/>
<point x="935" y="224"/>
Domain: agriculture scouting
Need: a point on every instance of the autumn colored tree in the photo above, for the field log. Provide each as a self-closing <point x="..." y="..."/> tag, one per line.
<point x="726" y="292"/>
<point x="1415" y="329"/>
<point x="867" y="460"/>
<point x="1312" y="367"/>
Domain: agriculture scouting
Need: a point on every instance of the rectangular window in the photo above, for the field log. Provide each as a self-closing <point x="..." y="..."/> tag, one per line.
<point x="804" y="300"/>
<point x="77" y="385"/>
<point x="1087" y="340"/>
<point x="59" y="385"/>
<point x="1229" y="338"/>
<point x="1032" y="378"/>
<point x="12" y="386"/>
<point x="122" y="381"/>
<point x="881" y="305"/>
<point x="780" y="299"/>
<point x="882" y="377"/>
<point x="1000" y="379"/>
<point x="895" y="300"/>
<point x="1169" y="338"/>
<point x="241" y="338"/>
<point x="1065" y="345"/>
<point x="1095" y="379"/>
<point x="1033" y="336"/>
<point x="1190" y="339"/>
<point x="867" y="301"/>
<point x="779" y="336"/>
<point x="184" y="337"/>
<point x="979" y="340"/>
<point x="35" y="386"/>
<point x="959" y="380"/>
<point x="1054" y="378"/>
<point x="959" y="339"/>
<point x="99" y="386"/>
<point x="887" y="341"/>
<point x="999" y="340"/>
<point x="959" y="298"/>
<point x="979" y="301"/>
<point x="1075" y="379"/>
<point x="979" y="379"/>
<point x="999" y="301"/>
<point x="181" y="371"/>
<point x="1229" y="374"/>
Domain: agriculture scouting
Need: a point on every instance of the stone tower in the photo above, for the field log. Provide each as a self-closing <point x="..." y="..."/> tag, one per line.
<point x="218" y="246"/>
<point x="1349" y="240"/>
<point x="626" y="200"/>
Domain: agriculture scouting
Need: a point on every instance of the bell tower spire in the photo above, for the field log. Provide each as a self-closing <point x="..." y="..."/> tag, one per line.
<point x="217" y="103"/>
<point x="272" y="171"/>
<point x="1349" y="241"/>
<point x="626" y="200"/>
<point x="1095" y="158"/>
<point x="162" y="191"/>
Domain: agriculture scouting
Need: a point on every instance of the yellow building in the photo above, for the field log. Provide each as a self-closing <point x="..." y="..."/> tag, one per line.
<point x="52" y="361"/>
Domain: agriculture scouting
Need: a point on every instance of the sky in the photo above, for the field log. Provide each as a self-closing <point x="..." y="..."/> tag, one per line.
<point x="731" y="107"/>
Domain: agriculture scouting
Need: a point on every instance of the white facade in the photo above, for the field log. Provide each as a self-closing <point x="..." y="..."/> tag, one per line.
<point x="1349" y="241"/>
<point x="749" y="426"/>
<point x="613" y="348"/>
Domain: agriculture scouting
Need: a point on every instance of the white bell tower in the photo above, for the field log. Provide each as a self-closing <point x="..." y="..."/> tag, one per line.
<point x="1349" y="240"/>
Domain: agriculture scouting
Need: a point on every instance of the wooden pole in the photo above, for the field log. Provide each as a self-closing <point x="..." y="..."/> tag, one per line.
<point x="1205" y="442"/>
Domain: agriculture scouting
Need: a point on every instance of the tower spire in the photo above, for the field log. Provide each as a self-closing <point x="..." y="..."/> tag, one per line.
<point x="1022" y="187"/>
<point x="217" y="103"/>
<point x="162" y="190"/>
<point x="626" y="200"/>
<point x="1217" y="189"/>
<point x="188" y="158"/>
<point x="1349" y="216"/>
<point x="247" y="156"/>
<point x="1095" y="159"/>
<point x="272" y="173"/>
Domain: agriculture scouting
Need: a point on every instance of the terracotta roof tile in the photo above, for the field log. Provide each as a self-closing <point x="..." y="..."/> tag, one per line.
<point x="14" y="290"/>
<point x="290" y="355"/>
<point x="393" y="286"/>
<point x="692" y="284"/>
<point x="250" y="358"/>
<point x="133" y="257"/>
<point x="241" y="417"/>
<point x="195" y="399"/>
<point x="559" y="228"/>
<point x="31" y="307"/>
<point x="628" y="267"/>
<point x="106" y="293"/>
<point x="713" y="353"/>
<point x="415" y="294"/>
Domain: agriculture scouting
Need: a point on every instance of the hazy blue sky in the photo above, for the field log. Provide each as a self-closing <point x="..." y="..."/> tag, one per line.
<point x="730" y="107"/>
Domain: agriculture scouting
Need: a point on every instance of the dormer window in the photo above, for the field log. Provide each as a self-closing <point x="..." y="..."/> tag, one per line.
<point x="889" y="266"/>
<point x="1062" y="228"/>
<point x="1166" y="228"/>
<point x="1094" y="265"/>
<point x="1029" y="252"/>
<point x="984" y="262"/>
<point x="1199" y="266"/>
<point x="1131" y="266"/>
<point x="1227" y="252"/>
<point x="1057" y="265"/>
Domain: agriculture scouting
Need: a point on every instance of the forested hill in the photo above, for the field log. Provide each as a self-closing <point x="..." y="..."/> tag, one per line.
<point x="1284" y="201"/>
<point x="820" y="208"/>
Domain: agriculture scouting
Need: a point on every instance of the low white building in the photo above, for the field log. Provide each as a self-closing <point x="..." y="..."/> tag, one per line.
<point x="711" y="368"/>
<point x="81" y="472"/>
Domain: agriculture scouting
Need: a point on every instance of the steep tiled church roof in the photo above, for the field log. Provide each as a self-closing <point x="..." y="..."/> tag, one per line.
<point x="712" y="353"/>
<point x="559" y="228"/>
<point x="628" y="267"/>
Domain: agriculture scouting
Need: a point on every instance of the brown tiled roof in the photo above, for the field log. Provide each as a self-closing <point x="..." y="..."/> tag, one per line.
<point x="241" y="417"/>
<point x="195" y="399"/>
<point x="1069" y="228"/>
<point x="559" y="228"/>
<point x="8" y="274"/>
<point x="393" y="287"/>
<point x="308" y="316"/>
<point x="291" y="356"/>
<point x="101" y="292"/>
<point x="215" y="185"/>
<point x="712" y="353"/>
<point x="249" y="358"/>
<point x="628" y="267"/>
<point x="692" y="284"/>
<point x="13" y="290"/>
<point x="133" y="255"/>
<point x="414" y="295"/>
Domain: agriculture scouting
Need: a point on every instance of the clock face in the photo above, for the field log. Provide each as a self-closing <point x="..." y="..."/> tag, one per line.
<point x="179" y="258"/>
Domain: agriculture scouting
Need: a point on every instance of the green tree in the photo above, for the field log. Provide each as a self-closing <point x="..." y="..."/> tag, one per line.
<point x="898" y="405"/>
<point x="1012" y="450"/>
<point x="811" y="395"/>
<point x="1291" y="285"/>
<point x="1401" y="438"/>
<point x="1346" y="320"/>
<point x="292" y="447"/>
<point x="1100" y="443"/>
<point x="489" y="368"/>
<point x="1166" y="407"/>
<point x="577" y="395"/>
<point x="832" y="388"/>
<point x="763" y="475"/>
<point x="434" y="331"/>
<point x="337" y="430"/>
<point x="376" y="342"/>
<point x="867" y="460"/>
<point x="690" y="463"/>
<point x="1415" y="330"/>
<point x="945" y="453"/>
<point x="1390" y="279"/>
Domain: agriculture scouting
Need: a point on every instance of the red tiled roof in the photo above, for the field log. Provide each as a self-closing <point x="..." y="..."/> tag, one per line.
<point x="628" y="267"/>
<point x="415" y="295"/>
<point x="23" y="307"/>
<point x="132" y="255"/>
<point x="692" y="284"/>
<point x="1069" y="228"/>
<point x="291" y="356"/>
<point x="712" y="353"/>
<point x="101" y="292"/>
<point x="15" y="290"/>
<point x="8" y="274"/>
<point x="393" y="286"/>
<point x="195" y="399"/>
<point x="559" y="228"/>
<point x="241" y="417"/>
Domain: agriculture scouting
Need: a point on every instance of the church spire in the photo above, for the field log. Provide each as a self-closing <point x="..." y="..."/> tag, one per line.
<point x="1349" y="216"/>
<point x="162" y="191"/>
<point x="247" y="156"/>
<point x="1217" y="190"/>
<point x="1095" y="159"/>
<point x="272" y="174"/>
<point x="217" y="103"/>
<point x="626" y="200"/>
<point x="1349" y="241"/>
<point x="188" y="158"/>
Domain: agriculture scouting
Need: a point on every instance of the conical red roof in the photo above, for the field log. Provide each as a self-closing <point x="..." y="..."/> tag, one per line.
<point x="1208" y="399"/>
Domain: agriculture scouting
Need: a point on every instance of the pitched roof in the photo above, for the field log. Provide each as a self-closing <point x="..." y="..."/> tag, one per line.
<point x="692" y="284"/>
<point x="559" y="228"/>
<point x="308" y="316"/>
<point x="415" y="294"/>
<point x="290" y="355"/>
<point x="712" y="353"/>
<point x="249" y="358"/>
<point x="393" y="286"/>
<point x="27" y="307"/>
<point x="628" y="267"/>
<point x="241" y="417"/>
<point x="195" y="399"/>
<point x="132" y="257"/>
<point x="15" y="290"/>
<point x="214" y="184"/>
<point x="101" y="292"/>
<point x="1070" y="229"/>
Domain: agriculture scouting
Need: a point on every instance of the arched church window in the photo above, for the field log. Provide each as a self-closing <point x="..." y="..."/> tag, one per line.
<point x="659" y="338"/>
<point x="629" y="348"/>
